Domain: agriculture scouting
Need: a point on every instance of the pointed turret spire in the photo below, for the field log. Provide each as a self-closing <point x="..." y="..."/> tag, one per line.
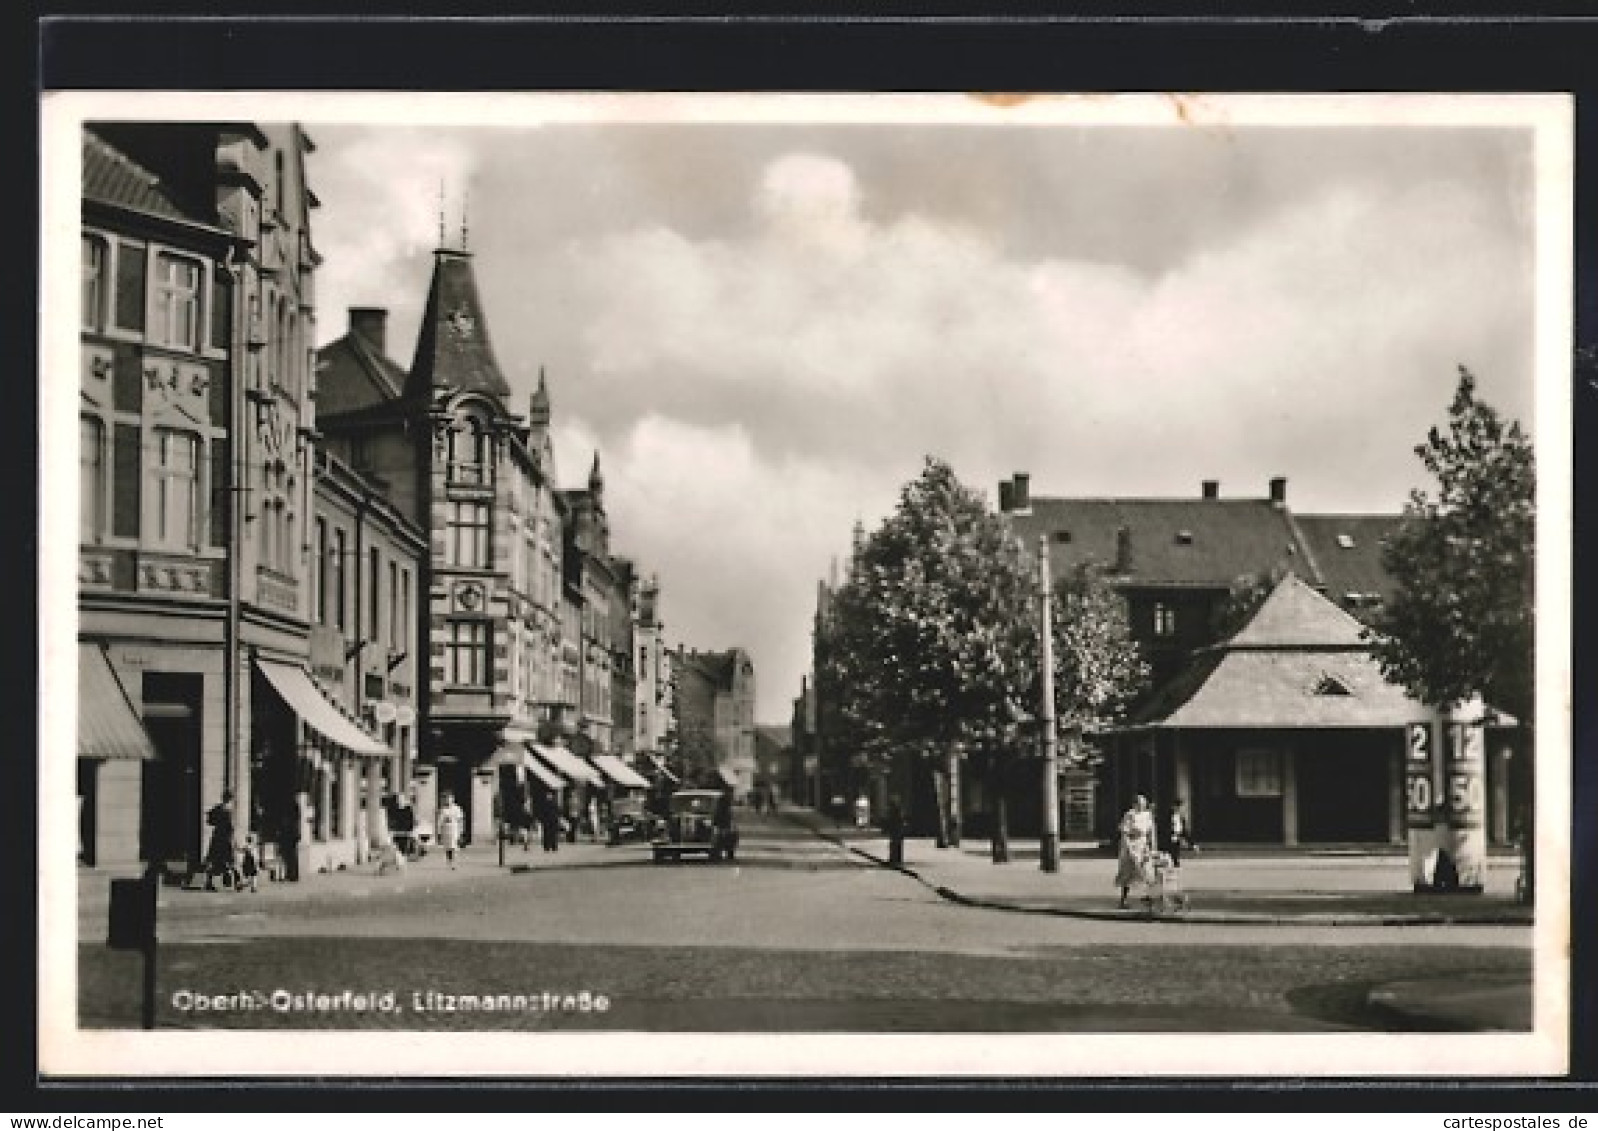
<point x="538" y="406"/>
<point x="596" y="478"/>
<point x="453" y="350"/>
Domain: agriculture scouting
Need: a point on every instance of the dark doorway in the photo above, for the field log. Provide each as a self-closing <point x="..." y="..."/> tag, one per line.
<point x="169" y="811"/>
<point x="88" y="805"/>
<point x="1343" y="787"/>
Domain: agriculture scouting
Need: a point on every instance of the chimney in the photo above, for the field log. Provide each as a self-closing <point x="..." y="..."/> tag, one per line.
<point x="1212" y="488"/>
<point x="1021" y="493"/>
<point x="1006" y="496"/>
<point x="1123" y="549"/>
<point x="1279" y="491"/>
<point x="371" y="323"/>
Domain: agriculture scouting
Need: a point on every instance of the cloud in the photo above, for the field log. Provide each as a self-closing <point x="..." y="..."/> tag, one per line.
<point x="391" y="178"/>
<point x="821" y="348"/>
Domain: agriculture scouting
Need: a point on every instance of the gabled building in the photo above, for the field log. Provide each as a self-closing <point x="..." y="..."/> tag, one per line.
<point x="1287" y="732"/>
<point x="716" y="715"/>
<point x="449" y="451"/>
<point x="197" y="444"/>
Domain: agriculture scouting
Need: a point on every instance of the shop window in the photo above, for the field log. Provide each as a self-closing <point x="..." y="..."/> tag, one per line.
<point x="177" y="301"/>
<point x="92" y="316"/>
<point x="1259" y="773"/>
<point x="469" y="535"/>
<point x="91" y="477"/>
<point x="174" y="517"/>
<point x="467" y="653"/>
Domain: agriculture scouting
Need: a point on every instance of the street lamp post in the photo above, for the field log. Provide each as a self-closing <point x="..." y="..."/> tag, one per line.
<point x="1049" y="848"/>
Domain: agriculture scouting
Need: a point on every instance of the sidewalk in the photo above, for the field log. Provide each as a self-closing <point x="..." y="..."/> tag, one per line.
<point x="1272" y="886"/>
<point x="476" y="862"/>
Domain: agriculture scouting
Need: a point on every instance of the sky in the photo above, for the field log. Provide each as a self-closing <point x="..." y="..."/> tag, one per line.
<point x="764" y="328"/>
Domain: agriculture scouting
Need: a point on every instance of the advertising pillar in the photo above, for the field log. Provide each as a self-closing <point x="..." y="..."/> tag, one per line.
<point x="1465" y="784"/>
<point x="1420" y="802"/>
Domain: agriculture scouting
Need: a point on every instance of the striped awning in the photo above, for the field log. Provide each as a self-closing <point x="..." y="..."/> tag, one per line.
<point x="549" y="778"/>
<point x="317" y="711"/>
<point x="619" y="772"/>
<point x="568" y="765"/>
<point x="108" y="726"/>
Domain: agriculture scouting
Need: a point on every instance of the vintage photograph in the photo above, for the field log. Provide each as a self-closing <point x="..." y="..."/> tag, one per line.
<point x="657" y="585"/>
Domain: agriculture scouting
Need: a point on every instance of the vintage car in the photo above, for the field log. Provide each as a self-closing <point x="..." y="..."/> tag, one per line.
<point x="698" y="822"/>
<point x="628" y="820"/>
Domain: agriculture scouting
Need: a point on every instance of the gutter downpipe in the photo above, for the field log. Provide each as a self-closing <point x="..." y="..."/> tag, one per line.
<point x="235" y="749"/>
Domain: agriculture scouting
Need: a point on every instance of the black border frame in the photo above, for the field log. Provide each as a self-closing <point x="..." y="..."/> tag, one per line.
<point x="830" y="46"/>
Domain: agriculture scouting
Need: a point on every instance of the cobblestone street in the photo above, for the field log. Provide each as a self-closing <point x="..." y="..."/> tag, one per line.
<point x="798" y="935"/>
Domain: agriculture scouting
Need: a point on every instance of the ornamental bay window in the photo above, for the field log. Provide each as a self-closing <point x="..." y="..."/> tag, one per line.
<point x="466" y="653"/>
<point x="173" y="520"/>
<point x="177" y="302"/>
<point x="469" y="535"/>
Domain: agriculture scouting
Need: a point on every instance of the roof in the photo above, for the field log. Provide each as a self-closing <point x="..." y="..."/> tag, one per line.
<point x="452" y="349"/>
<point x="1298" y="663"/>
<point x="351" y="374"/>
<point x="112" y="177"/>
<point x="1201" y="542"/>
<point x="720" y="668"/>
<point x="1347" y="549"/>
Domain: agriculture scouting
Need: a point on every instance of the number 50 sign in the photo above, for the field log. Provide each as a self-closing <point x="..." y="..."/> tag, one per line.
<point x="1465" y="770"/>
<point x="1420" y="791"/>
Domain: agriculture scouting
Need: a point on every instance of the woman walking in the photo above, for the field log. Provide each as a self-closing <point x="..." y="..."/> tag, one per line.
<point x="450" y="823"/>
<point x="1137" y="843"/>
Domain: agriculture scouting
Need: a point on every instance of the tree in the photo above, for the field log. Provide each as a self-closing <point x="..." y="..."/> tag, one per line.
<point x="1461" y="621"/>
<point x="933" y="634"/>
<point x="1099" y="670"/>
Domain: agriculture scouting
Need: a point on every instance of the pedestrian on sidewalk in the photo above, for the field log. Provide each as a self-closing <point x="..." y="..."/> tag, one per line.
<point x="549" y="822"/>
<point x="862" y="812"/>
<point x="449" y="824"/>
<point x="1137" y="845"/>
<point x="220" y="853"/>
<point x="1175" y="832"/>
<point x="893" y="825"/>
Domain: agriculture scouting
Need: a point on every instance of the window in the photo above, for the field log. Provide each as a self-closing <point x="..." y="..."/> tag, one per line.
<point x="469" y="452"/>
<point x="405" y="609"/>
<point x="319" y="573"/>
<point x="467" y="653"/>
<point x="221" y="311"/>
<point x="177" y="302"/>
<point x="393" y="606"/>
<point x="91" y="477"/>
<point x="94" y="280"/>
<point x="127" y="483"/>
<point x="374" y="604"/>
<point x="1259" y="773"/>
<point x="338" y="579"/>
<point x="468" y="535"/>
<point x="1164" y="620"/>
<point x="174" y="503"/>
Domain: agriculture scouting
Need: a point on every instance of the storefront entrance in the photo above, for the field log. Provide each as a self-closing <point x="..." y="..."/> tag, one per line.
<point x="169" y="817"/>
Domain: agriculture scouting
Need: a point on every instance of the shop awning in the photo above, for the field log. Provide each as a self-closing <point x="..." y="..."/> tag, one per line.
<point x="549" y="779"/>
<point x="619" y="772"/>
<point x="568" y="765"/>
<point x="317" y="711"/>
<point x="108" y="726"/>
<point x="661" y="768"/>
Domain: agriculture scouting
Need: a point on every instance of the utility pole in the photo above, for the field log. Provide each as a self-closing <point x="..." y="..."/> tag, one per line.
<point x="1049" y="847"/>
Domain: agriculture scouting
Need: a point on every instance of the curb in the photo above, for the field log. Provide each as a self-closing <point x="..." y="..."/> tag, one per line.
<point x="1213" y="918"/>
